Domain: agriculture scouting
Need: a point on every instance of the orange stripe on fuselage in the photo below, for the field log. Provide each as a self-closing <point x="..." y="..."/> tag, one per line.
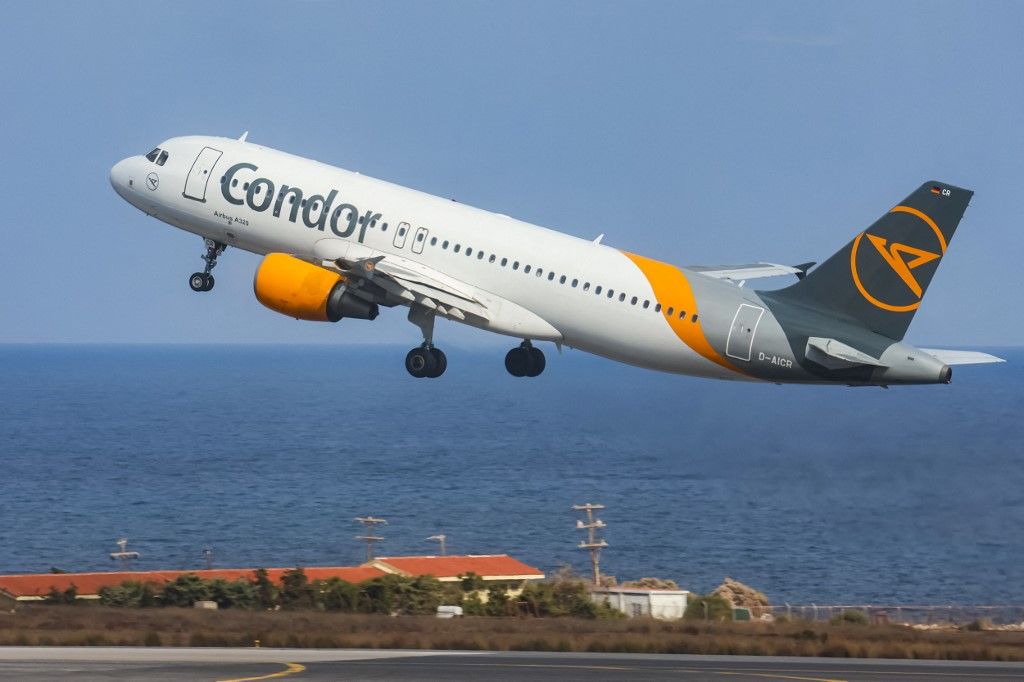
<point x="672" y="289"/>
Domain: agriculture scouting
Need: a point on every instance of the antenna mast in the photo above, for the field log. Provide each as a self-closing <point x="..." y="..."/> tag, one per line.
<point x="370" y="523"/>
<point x="592" y="542"/>
<point x="440" y="537"/>
<point x="123" y="554"/>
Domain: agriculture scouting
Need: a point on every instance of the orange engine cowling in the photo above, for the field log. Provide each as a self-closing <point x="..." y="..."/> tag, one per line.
<point x="298" y="289"/>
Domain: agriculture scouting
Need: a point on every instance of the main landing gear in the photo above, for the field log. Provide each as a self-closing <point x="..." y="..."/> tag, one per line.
<point x="525" y="361"/>
<point x="425" y="362"/>
<point x="203" y="281"/>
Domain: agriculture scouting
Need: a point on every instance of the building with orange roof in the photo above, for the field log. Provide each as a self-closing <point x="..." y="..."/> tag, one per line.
<point x="499" y="568"/>
<point x="36" y="586"/>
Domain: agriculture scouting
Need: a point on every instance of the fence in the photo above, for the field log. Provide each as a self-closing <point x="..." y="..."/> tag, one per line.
<point x="913" y="614"/>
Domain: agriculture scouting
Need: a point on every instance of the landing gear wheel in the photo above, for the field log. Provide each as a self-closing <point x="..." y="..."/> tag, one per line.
<point x="420" y="362"/>
<point x="525" y="361"/>
<point x="203" y="281"/>
<point x="440" y="363"/>
<point x="517" y="362"/>
<point x="537" y="362"/>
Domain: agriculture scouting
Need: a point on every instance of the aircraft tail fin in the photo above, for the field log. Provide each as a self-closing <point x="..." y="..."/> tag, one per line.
<point x="879" y="278"/>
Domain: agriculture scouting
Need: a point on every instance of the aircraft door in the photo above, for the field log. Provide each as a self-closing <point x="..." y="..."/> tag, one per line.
<point x="400" y="234"/>
<point x="199" y="175"/>
<point x="419" y="239"/>
<point x="741" y="334"/>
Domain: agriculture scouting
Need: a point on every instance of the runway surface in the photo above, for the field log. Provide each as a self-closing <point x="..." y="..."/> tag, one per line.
<point x="300" y="665"/>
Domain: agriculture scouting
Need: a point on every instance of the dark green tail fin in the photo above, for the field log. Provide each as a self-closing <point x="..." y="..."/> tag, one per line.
<point x="879" y="279"/>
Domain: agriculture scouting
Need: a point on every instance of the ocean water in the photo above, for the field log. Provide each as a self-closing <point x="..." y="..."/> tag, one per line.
<point x="266" y="454"/>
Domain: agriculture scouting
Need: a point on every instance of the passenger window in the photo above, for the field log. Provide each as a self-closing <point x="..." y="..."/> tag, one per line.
<point x="540" y="271"/>
<point x="598" y="290"/>
<point x="163" y="159"/>
<point x="682" y="314"/>
<point x="574" y="283"/>
<point x="153" y="154"/>
<point x="480" y="255"/>
<point x="401" y="230"/>
<point x="444" y="244"/>
<point x="586" y="286"/>
<point x="694" y="318"/>
<point x="622" y="297"/>
<point x="551" y="277"/>
<point x="527" y="269"/>
<point x="515" y="265"/>
<point x="419" y="237"/>
<point x="492" y="259"/>
<point x="433" y="241"/>
<point x="647" y="304"/>
<point x="504" y="262"/>
<point x="456" y="249"/>
<point x="384" y="227"/>
<point x="657" y="307"/>
<point x="669" y="312"/>
<point x="561" y="280"/>
<point x="469" y="251"/>
<point x="632" y="301"/>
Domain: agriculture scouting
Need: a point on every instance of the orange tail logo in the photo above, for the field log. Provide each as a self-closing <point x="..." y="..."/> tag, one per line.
<point x="895" y="255"/>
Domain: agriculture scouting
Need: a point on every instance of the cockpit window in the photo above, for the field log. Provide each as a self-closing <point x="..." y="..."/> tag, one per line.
<point x="163" y="158"/>
<point x="153" y="154"/>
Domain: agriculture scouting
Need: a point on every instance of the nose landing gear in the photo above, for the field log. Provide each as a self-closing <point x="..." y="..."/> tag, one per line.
<point x="525" y="361"/>
<point x="203" y="281"/>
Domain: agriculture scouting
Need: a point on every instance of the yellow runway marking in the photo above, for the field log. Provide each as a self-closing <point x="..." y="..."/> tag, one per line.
<point x="292" y="669"/>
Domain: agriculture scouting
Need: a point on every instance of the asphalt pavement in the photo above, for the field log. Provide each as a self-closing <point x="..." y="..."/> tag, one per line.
<point x="302" y="665"/>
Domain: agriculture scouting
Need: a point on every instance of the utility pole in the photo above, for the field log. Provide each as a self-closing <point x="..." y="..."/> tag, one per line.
<point x="440" y="537"/>
<point x="123" y="554"/>
<point x="208" y="557"/>
<point x="592" y="542"/>
<point x="370" y="523"/>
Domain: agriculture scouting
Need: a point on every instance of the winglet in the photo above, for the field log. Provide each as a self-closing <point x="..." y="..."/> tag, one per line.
<point x="244" y="135"/>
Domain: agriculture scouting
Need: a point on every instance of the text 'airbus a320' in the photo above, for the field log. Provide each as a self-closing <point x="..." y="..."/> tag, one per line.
<point x="337" y="244"/>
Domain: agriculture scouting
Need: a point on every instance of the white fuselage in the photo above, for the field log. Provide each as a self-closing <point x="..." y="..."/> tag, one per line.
<point x="525" y="272"/>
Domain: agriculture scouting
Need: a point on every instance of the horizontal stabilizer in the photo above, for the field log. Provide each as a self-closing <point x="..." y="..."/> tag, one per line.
<point x="751" y="270"/>
<point x="833" y="354"/>
<point x="961" y="357"/>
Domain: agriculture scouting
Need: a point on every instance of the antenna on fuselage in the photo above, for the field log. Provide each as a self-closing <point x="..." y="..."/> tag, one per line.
<point x="244" y="135"/>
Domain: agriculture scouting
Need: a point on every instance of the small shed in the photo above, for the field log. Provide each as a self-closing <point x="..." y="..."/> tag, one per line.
<point x="638" y="602"/>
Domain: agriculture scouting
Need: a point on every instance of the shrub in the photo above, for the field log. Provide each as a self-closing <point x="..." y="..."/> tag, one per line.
<point x="708" y="607"/>
<point x="185" y="590"/>
<point x="238" y="594"/>
<point x="296" y="592"/>
<point x="849" y="618"/>
<point x="130" y="593"/>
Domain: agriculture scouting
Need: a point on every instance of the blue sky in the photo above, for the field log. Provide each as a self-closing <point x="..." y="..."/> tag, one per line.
<point x="691" y="132"/>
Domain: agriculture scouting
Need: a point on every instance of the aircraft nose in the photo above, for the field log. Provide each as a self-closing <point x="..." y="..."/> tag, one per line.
<point x="120" y="175"/>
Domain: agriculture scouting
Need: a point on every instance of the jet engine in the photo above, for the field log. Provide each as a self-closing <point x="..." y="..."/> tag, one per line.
<point x="298" y="289"/>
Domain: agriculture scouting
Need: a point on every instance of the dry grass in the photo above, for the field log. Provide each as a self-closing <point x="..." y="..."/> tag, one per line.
<point x="93" y="626"/>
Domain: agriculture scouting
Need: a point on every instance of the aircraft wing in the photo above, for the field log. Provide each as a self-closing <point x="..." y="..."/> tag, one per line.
<point x="751" y="270"/>
<point x="407" y="280"/>
<point x="962" y="357"/>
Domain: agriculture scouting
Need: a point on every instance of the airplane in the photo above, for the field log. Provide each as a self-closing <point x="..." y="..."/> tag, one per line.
<point x="337" y="244"/>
